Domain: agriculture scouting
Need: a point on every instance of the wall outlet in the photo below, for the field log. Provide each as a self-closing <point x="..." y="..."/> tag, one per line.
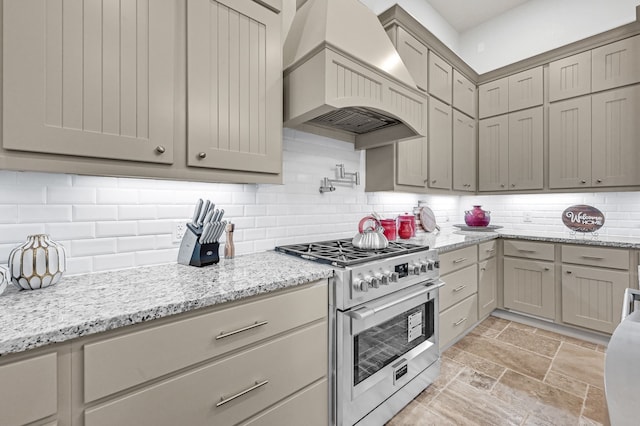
<point x="179" y="228"/>
<point x="526" y="217"/>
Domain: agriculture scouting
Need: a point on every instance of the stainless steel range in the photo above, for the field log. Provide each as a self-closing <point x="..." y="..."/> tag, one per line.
<point x="383" y="326"/>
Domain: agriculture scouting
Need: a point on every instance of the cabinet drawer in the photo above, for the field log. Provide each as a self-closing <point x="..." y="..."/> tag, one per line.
<point x="457" y="259"/>
<point x="28" y="390"/>
<point x="287" y="364"/>
<point x="596" y="256"/>
<point x="458" y="285"/>
<point x="487" y="250"/>
<point x="309" y="407"/>
<point x="121" y="362"/>
<point x="529" y="250"/>
<point x="458" y="318"/>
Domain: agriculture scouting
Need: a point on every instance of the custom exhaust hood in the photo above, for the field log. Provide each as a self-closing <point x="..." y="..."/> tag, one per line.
<point x="344" y="79"/>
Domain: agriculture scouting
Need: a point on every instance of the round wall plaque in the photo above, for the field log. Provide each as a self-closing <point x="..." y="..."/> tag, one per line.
<point x="583" y="218"/>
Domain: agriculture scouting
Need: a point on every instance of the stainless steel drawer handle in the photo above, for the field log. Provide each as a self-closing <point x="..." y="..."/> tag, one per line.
<point x="457" y="289"/>
<point x="240" y="330"/>
<point x="592" y="257"/>
<point x="239" y="394"/>
<point x="526" y="251"/>
<point x="490" y="250"/>
<point x="460" y="322"/>
<point x="462" y="259"/>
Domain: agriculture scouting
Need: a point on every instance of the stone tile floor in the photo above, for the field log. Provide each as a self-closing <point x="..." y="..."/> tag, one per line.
<point x="506" y="373"/>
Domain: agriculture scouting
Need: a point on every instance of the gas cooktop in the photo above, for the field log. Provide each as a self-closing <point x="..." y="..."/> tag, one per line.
<point x="342" y="252"/>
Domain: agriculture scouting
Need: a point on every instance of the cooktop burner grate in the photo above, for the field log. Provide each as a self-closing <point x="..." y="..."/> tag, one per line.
<point x="343" y="253"/>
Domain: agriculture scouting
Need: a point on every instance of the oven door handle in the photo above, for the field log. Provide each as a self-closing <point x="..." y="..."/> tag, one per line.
<point x="364" y="312"/>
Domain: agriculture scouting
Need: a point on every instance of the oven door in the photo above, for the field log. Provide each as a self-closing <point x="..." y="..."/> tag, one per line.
<point x="382" y="345"/>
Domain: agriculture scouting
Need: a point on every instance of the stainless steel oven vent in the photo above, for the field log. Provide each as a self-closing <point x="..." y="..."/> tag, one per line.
<point x="355" y="120"/>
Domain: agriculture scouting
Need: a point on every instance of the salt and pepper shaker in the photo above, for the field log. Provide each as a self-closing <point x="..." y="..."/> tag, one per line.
<point x="229" y="248"/>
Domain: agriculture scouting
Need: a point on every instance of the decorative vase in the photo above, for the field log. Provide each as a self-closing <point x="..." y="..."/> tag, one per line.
<point x="477" y="217"/>
<point x="4" y="279"/>
<point x="38" y="263"/>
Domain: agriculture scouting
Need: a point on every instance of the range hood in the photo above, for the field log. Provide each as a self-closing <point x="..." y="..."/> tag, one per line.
<point x="344" y="79"/>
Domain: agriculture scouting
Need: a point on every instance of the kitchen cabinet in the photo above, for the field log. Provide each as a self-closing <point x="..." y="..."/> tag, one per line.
<point x="525" y="149"/>
<point x="440" y="78"/>
<point x="593" y="283"/>
<point x="616" y="64"/>
<point x="493" y="98"/>
<point x="414" y="55"/>
<point x="35" y="387"/>
<point x="487" y="278"/>
<point x="458" y="302"/>
<point x="234" y="86"/>
<point x="412" y="162"/>
<point x="464" y="94"/>
<point x="570" y="77"/>
<point x="493" y="154"/>
<point x="222" y="366"/>
<point x="464" y="152"/>
<point x="525" y="89"/>
<point x="570" y="149"/>
<point x="90" y="80"/>
<point x="440" y="144"/>
<point x="616" y="129"/>
<point x="529" y="281"/>
<point x="402" y="166"/>
<point x="149" y="89"/>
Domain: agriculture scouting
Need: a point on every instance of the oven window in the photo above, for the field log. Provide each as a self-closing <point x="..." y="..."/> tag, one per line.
<point x="382" y="344"/>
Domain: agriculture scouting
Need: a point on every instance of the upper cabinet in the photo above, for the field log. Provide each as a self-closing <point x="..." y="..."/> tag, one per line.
<point x="464" y="94"/>
<point x="91" y="79"/>
<point x="440" y="144"/>
<point x="525" y="89"/>
<point x="464" y="152"/>
<point x="414" y="55"/>
<point x="412" y="162"/>
<point x="161" y="89"/>
<point x="570" y="77"/>
<point x="440" y="78"/>
<point x="493" y="154"/>
<point x="234" y="85"/>
<point x="493" y="98"/>
<point x="616" y="64"/>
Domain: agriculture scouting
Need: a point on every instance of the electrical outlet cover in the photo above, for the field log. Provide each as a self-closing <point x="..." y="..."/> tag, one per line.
<point x="179" y="228"/>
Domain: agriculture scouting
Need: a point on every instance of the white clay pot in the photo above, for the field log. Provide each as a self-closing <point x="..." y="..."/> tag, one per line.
<point x="38" y="263"/>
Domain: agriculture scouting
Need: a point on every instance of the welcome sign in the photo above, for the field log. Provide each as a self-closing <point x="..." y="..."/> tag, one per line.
<point x="583" y="218"/>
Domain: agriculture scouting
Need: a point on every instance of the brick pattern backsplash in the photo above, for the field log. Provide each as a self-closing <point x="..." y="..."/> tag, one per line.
<point x="113" y="223"/>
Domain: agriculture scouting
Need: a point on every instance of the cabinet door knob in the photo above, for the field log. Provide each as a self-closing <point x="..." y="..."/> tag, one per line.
<point x="569" y="272"/>
<point x="546" y="269"/>
<point x="599" y="180"/>
<point x="202" y="155"/>
<point x="434" y="181"/>
<point x="160" y="149"/>
<point x="583" y="181"/>
<point x="513" y="185"/>
<point x="502" y="185"/>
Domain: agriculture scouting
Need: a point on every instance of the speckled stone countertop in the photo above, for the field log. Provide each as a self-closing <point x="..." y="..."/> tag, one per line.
<point x="86" y="304"/>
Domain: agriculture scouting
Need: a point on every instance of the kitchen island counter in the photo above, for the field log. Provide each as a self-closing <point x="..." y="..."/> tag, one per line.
<point x="86" y="304"/>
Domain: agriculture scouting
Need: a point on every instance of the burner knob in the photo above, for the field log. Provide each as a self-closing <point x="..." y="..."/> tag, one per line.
<point x="360" y="285"/>
<point x="414" y="269"/>
<point x="424" y="266"/>
<point x="393" y="276"/>
<point x="383" y="278"/>
<point x="373" y="282"/>
<point x="431" y="264"/>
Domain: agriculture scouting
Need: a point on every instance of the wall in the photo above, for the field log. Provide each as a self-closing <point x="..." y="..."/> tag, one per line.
<point x="114" y="223"/>
<point x="538" y="26"/>
<point x="621" y="210"/>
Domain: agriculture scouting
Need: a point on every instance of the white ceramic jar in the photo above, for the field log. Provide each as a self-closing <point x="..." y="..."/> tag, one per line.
<point x="38" y="263"/>
<point x="4" y="279"/>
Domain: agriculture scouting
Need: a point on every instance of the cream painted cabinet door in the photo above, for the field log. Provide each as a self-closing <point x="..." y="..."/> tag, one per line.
<point x="616" y="64"/>
<point x="616" y="136"/>
<point x="570" y="77"/>
<point x="493" y="98"/>
<point x="440" y="144"/>
<point x="465" y="94"/>
<point x="525" y="149"/>
<point x="440" y="78"/>
<point x="529" y="287"/>
<point x="487" y="287"/>
<point x="493" y="154"/>
<point x="464" y="152"/>
<point x="415" y="56"/>
<point x="412" y="162"/>
<point x="234" y="86"/>
<point x="90" y="79"/>
<point x="591" y="297"/>
<point x="525" y="89"/>
<point x="570" y="143"/>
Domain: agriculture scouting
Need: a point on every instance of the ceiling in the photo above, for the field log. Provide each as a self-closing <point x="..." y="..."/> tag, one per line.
<point x="465" y="14"/>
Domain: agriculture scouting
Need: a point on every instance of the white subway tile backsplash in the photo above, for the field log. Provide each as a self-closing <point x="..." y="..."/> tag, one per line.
<point x="8" y="214"/>
<point x="156" y="257"/>
<point x="22" y="195"/>
<point x="93" y="247"/>
<point x="70" y="231"/>
<point x="137" y="212"/>
<point x="116" y="229"/>
<point x="16" y="234"/>
<point x="138" y="243"/>
<point x="65" y="195"/>
<point x="155" y="227"/>
<point x="115" y="261"/>
<point x="117" y="196"/>
<point x="42" y="179"/>
<point x="85" y="213"/>
<point x="175" y="212"/>
<point x="44" y="214"/>
<point x="79" y="265"/>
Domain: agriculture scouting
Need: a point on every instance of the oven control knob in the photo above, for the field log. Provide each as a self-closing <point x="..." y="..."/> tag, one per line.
<point x="393" y="276"/>
<point x="373" y="282"/>
<point x="424" y="266"/>
<point x="414" y="269"/>
<point x="431" y="264"/>
<point x="383" y="277"/>
<point x="360" y="285"/>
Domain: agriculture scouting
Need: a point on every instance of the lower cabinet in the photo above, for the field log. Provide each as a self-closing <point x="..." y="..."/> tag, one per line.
<point x="457" y="319"/>
<point x="529" y="287"/>
<point x="487" y="287"/>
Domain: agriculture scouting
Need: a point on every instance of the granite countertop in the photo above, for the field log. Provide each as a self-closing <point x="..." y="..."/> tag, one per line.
<point x="86" y="304"/>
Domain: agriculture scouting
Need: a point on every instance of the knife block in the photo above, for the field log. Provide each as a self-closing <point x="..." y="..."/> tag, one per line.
<point x="193" y="253"/>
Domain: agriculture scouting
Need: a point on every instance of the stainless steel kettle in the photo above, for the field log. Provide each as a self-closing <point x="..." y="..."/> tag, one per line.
<point x="371" y="237"/>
